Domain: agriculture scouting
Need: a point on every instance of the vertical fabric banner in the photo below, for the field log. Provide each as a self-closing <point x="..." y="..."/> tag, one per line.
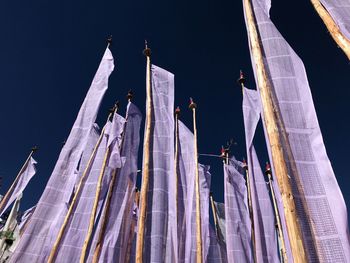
<point x="39" y="236"/>
<point x="217" y="253"/>
<point x="263" y="213"/>
<point x="120" y="219"/>
<point x="238" y="224"/>
<point x="340" y="12"/>
<point x="221" y="235"/>
<point x="319" y="202"/>
<point x="22" y="182"/>
<point x="160" y="244"/>
<point x="77" y="227"/>
<point x="186" y="199"/>
<point x="186" y="176"/>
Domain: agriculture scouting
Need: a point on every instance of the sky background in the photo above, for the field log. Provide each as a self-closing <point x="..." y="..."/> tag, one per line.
<point x="50" y="50"/>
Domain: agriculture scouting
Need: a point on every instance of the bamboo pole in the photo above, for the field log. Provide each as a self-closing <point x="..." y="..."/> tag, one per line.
<point x="193" y="107"/>
<point x="250" y="207"/>
<point x="94" y="207"/>
<point x="215" y="215"/>
<point x="54" y="249"/>
<point x="110" y="193"/>
<point x="146" y="160"/>
<point x="278" y="219"/>
<point x="294" y="230"/>
<point x="342" y="41"/>
<point x="13" y="185"/>
<point x="96" y="200"/>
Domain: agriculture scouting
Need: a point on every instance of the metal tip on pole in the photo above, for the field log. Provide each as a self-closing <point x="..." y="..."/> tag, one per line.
<point x="245" y="165"/>
<point x="241" y="79"/>
<point x="109" y="40"/>
<point x="177" y="111"/>
<point x="130" y="95"/>
<point x="267" y="169"/>
<point x="34" y="148"/>
<point x="147" y="50"/>
<point x="211" y="193"/>
<point x="114" y="108"/>
<point x="192" y="104"/>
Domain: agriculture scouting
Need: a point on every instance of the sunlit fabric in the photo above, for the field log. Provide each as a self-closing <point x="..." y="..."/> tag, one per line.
<point x="160" y="243"/>
<point x="266" y="248"/>
<point x="119" y="221"/>
<point x="24" y="178"/>
<point x="76" y="230"/>
<point x="340" y="12"/>
<point x="217" y="251"/>
<point x="319" y="202"/>
<point x="38" y="238"/>
<point x="238" y="224"/>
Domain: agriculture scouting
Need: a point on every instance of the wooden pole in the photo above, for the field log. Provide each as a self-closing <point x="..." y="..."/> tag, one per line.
<point x="94" y="207"/>
<point x="342" y="41"/>
<point x="111" y="187"/>
<point x="54" y="249"/>
<point x="96" y="200"/>
<point x="250" y="207"/>
<point x="146" y="160"/>
<point x="215" y="215"/>
<point x="278" y="219"/>
<point x="13" y="185"/>
<point x="132" y="228"/>
<point x="273" y="133"/>
<point x="193" y="106"/>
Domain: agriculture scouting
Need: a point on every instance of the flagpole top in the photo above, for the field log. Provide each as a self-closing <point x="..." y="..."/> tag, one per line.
<point x="245" y="165"/>
<point x="34" y="149"/>
<point x="147" y="50"/>
<point x="268" y="169"/>
<point x="177" y="111"/>
<point x="211" y="194"/>
<point x="192" y="104"/>
<point x="130" y="95"/>
<point x="109" y="40"/>
<point x="241" y="79"/>
<point x="114" y="108"/>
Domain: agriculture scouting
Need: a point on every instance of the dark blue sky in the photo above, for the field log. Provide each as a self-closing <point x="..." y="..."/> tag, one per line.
<point x="50" y="50"/>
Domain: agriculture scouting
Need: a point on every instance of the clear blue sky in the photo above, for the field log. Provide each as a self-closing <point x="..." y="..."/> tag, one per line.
<point x="50" y="50"/>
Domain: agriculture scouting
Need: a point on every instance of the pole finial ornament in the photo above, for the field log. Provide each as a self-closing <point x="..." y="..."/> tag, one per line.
<point x="267" y="169"/>
<point x="177" y="111"/>
<point x="147" y="50"/>
<point x="130" y="95"/>
<point x="241" y="79"/>
<point x="192" y="104"/>
<point x="245" y="165"/>
<point x="34" y="148"/>
<point x="109" y="40"/>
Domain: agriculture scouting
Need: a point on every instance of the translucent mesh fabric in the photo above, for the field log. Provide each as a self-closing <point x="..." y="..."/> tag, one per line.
<point x="217" y="252"/>
<point x="340" y="12"/>
<point x="264" y="219"/>
<point x="187" y="201"/>
<point x="220" y="212"/>
<point x="160" y="244"/>
<point x="320" y="205"/>
<point x="77" y="227"/>
<point x="40" y="234"/>
<point x="120" y="219"/>
<point x="221" y="235"/>
<point x="21" y="184"/>
<point x="238" y="224"/>
<point x="25" y="219"/>
<point x="186" y="175"/>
